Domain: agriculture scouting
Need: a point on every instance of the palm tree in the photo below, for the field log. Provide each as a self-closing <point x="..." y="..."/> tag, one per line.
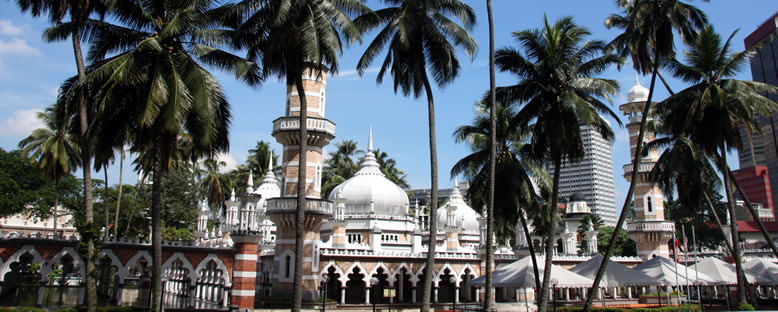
<point x="560" y="96"/>
<point x="420" y="35"/>
<point x="340" y="166"/>
<point x="389" y="169"/>
<point x="215" y="184"/>
<point x="648" y="39"/>
<point x="492" y="171"/>
<point x="79" y="12"/>
<point x="259" y="157"/>
<point x="291" y="38"/>
<point x="517" y="172"/>
<point x="156" y="84"/>
<point x="55" y="149"/>
<point x="709" y="111"/>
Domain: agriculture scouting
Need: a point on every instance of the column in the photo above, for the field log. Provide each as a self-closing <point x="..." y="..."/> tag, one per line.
<point x="456" y="295"/>
<point x="342" y="295"/>
<point x="244" y="271"/>
<point x="413" y="292"/>
<point x="367" y="295"/>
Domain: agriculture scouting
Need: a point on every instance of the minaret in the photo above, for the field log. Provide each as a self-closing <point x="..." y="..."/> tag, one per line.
<point x="650" y="230"/>
<point x="282" y="210"/>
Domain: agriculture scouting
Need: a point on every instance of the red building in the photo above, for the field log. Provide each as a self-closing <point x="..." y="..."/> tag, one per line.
<point x="755" y="182"/>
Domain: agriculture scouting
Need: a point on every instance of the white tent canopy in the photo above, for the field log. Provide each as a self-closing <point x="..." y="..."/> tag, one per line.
<point x="664" y="271"/>
<point x="520" y="273"/>
<point x="616" y="274"/>
<point x="764" y="268"/>
<point x="724" y="273"/>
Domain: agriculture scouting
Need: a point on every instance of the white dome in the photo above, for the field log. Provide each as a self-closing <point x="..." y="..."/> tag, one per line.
<point x="370" y="191"/>
<point x="637" y="93"/>
<point x="463" y="215"/>
<point x="269" y="187"/>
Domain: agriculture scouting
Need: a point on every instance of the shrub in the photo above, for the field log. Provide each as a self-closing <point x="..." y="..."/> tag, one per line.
<point x="105" y="309"/>
<point x="684" y="307"/>
<point x="22" y="309"/>
<point x="594" y="309"/>
<point x="745" y="306"/>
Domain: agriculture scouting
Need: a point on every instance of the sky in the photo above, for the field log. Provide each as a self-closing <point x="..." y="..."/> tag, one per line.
<point x="31" y="71"/>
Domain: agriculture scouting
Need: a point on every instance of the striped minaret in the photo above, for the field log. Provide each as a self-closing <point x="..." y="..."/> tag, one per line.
<point x="244" y="269"/>
<point x="282" y="210"/>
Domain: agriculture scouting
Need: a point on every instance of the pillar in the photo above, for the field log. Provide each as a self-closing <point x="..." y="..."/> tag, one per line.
<point x="342" y="295"/>
<point x="244" y="270"/>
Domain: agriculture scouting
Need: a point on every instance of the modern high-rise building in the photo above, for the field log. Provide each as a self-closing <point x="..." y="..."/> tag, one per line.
<point x="761" y="149"/>
<point x="592" y="176"/>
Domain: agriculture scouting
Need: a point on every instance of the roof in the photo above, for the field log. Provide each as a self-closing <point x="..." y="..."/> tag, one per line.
<point x="762" y="31"/>
<point x="752" y="226"/>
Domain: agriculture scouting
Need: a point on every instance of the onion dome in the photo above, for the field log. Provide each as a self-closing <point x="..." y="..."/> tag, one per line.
<point x="369" y="191"/>
<point x="637" y="93"/>
<point x="269" y="186"/>
<point x="455" y="213"/>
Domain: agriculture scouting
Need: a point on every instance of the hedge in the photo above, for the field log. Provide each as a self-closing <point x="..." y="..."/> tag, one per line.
<point x="22" y="309"/>
<point x="106" y="309"/>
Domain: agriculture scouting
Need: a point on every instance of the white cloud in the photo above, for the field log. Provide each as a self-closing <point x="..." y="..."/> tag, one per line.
<point x="22" y="123"/>
<point x="227" y="158"/>
<point x="353" y="74"/>
<point x="18" y="46"/>
<point x="8" y="28"/>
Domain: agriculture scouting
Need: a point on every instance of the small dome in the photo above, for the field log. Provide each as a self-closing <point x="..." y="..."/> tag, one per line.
<point x="370" y="191"/>
<point x="637" y="93"/>
<point x="269" y="186"/>
<point x="463" y="215"/>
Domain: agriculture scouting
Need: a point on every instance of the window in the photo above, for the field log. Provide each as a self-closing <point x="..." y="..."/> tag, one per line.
<point x="287" y="266"/>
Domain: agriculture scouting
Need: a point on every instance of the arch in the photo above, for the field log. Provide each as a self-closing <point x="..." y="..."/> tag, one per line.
<point x="283" y="266"/>
<point x="362" y="270"/>
<point x="343" y="279"/>
<point x="137" y="256"/>
<point x="451" y="271"/>
<point x="356" y="286"/>
<point x="380" y="264"/>
<point x="322" y="101"/>
<point x="219" y="264"/>
<point x="122" y="270"/>
<point x="473" y="271"/>
<point x="36" y="257"/>
<point x="403" y="265"/>
<point x="46" y="269"/>
<point x="185" y="261"/>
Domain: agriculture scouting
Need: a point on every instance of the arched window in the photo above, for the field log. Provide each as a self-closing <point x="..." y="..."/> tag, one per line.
<point x="317" y="179"/>
<point x="649" y="205"/>
<point x="322" y="102"/>
<point x="287" y="266"/>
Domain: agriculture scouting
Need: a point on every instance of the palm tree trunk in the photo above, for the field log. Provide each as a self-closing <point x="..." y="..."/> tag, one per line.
<point x="300" y="217"/>
<point x="429" y="270"/>
<point x="56" y="203"/>
<point x="492" y="164"/>
<point x="531" y="249"/>
<point x="105" y="202"/>
<point x="736" y="254"/>
<point x="118" y="196"/>
<point x="718" y="221"/>
<point x="86" y="166"/>
<point x="156" y="228"/>
<point x="633" y="180"/>
<point x="754" y="215"/>
<point x="551" y="235"/>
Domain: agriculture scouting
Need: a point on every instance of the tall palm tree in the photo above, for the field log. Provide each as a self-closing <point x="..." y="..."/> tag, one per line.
<point x="492" y="170"/>
<point x="259" y="157"/>
<point x="560" y="94"/>
<point x="389" y="169"/>
<point x="54" y="148"/>
<point x="517" y="175"/>
<point x="155" y="82"/>
<point x="215" y="184"/>
<point x="420" y="35"/>
<point x="290" y="38"/>
<point x="710" y="110"/>
<point x="647" y="37"/>
<point x="79" y="12"/>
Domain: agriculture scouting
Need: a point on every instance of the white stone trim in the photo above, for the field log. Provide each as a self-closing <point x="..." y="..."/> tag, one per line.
<point x="296" y="147"/>
<point x="243" y="292"/>
<point x="219" y="264"/>
<point x="247" y="257"/>
<point x="185" y="261"/>
<point x="294" y="180"/>
<point x="244" y="274"/>
<point x="294" y="164"/>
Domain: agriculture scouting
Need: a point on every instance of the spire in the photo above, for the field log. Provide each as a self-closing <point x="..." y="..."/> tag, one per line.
<point x="370" y="141"/>
<point x="270" y="177"/>
<point x="250" y="183"/>
<point x="369" y="165"/>
<point x="232" y="195"/>
<point x="637" y="79"/>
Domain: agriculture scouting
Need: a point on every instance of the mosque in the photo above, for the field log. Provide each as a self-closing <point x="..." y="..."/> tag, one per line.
<point x="364" y="244"/>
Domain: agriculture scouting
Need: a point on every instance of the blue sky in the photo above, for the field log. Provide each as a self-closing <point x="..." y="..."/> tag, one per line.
<point x="31" y="70"/>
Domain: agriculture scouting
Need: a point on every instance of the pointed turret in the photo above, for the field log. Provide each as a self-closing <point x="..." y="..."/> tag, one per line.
<point x="250" y="183"/>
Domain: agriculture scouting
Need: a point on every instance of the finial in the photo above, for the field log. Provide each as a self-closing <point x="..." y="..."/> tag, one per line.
<point x="232" y="195"/>
<point x="250" y="183"/>
<point x="637" y="79"/>
<point x="456" y="182"/>
<point x="270" y="162"/>
<point x="370" y="141"/>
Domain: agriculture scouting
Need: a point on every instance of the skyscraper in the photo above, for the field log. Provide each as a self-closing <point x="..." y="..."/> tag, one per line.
<point x="761" y="149"/>
<point x="592" y="176"/>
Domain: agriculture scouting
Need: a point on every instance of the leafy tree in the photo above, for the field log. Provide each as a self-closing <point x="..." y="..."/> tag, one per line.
<point x="291" y="38"/>
<point x="560" y="94"/>
<point x="217" y="186"/>
<point x="419" y="35"/>
<point x="625" y="246"/>
<point x="710" y="111"/>
<point x="20" y="184"/>
<point x="57" y="151"/>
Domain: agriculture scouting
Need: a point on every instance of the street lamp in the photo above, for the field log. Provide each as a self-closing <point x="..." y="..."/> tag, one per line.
<point x="453" y="280"/>
<point x="554" y="283"/>
<point x="323" y="289"/>
<point x="373" y="284"/>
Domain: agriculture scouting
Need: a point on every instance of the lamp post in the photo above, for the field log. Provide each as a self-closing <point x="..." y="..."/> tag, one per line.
<point x="323" y="290"/>
<point x="453" y="280"/>
<point x="373" y="284"/>
<point x="553" y="284"/>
